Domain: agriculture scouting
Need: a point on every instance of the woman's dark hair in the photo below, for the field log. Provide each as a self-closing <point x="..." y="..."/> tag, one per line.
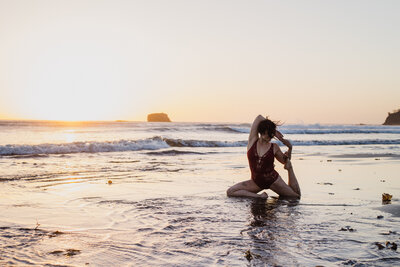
<point x="267" y="126"/>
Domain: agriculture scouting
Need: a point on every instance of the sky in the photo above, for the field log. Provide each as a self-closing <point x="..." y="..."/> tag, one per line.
<point x="200" y="61"/>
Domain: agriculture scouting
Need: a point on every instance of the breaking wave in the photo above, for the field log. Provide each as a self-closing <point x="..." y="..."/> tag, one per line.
<point x="157" y="143"/>
<point x="84" y="147"/>
<point x="154" y="143"/>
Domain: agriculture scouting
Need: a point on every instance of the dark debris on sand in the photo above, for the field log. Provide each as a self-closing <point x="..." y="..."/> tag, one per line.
<point x="389" y="233"/>
<point x="56" y="233"/>
<point x="386" y="198"/>
<point x="350" y="262"/>
<point x="56" y="252"/>
<point x="347" y="228"/>
<point x="248" y="255"/>
<point x="325" y="183"/>
<point x="388" y="245"/>
<point x="68" y="252"/>
<point x="72" y="252"/>
<point x="251" y="255"/>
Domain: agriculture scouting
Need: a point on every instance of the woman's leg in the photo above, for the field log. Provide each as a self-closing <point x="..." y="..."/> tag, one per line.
<point x="293" y="183"/>
<point x="282" y="189"/>
<point x="245" y="189"/>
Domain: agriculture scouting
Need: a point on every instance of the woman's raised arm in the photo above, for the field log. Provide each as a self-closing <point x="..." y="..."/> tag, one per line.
<point x="253" y="131"/>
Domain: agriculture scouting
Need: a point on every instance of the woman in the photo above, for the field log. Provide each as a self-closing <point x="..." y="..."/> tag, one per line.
<point x="261" y="153"/>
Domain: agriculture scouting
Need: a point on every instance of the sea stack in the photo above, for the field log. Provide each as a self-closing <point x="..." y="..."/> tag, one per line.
<point x="158" y="117"/>
<point x="393" y="118"/>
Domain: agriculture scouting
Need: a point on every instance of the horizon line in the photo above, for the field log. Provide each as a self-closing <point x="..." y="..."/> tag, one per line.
<point x="140" y="121"/>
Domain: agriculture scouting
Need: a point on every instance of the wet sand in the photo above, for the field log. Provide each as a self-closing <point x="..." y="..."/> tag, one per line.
<point x="184" y="217"/>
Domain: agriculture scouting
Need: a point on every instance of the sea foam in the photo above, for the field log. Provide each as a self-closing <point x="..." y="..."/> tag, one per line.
<point x="158" y="142"/>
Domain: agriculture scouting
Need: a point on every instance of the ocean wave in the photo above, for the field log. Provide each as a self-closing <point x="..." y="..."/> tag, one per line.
<point x="340" y="131"/>
<point x="309" y="130"/>
<point x="84" y="147"/>
<point x="173" y="152"/>
<point x="203" y="127"/>
<point x="154" y="143"/>
<point x="238" y="128"/>
<point x="241" y="129"/>
<point x="314" y="129"/>
<point x="157" y="143"/>
<point x="229" y="129"/>
<point x="346" y="142"/>
<point x="202" y="143"/>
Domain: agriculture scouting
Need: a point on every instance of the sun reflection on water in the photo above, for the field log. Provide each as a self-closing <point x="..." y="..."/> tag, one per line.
<point x="69" y="136"/>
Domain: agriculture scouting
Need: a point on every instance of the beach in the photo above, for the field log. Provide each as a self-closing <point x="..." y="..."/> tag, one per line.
<point x="150" y="194"/>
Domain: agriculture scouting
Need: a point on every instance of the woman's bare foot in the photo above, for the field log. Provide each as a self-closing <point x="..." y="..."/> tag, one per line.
<point x="263" y="195"/>
<point x="288" y="165"/>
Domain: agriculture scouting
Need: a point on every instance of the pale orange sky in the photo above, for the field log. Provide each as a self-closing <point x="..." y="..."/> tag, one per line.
<point x="297" y="61"/>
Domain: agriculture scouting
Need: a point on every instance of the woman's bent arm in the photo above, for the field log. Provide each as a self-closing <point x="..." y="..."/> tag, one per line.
<point x="287" y="143"/>
<point x="282" y="158"/>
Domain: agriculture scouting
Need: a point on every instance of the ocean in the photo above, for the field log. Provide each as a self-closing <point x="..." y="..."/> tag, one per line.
<point x="150" y="194"/>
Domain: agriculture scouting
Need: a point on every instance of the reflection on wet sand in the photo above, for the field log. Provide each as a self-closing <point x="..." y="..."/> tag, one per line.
<point x="273" y="224"/>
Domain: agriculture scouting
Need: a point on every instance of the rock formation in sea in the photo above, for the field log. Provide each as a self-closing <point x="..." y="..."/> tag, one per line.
<point x="393" y="118"/>
<point x="158" y="117"/>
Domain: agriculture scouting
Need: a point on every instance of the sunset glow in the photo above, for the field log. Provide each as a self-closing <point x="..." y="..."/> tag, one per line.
<point x="297" y="61"/>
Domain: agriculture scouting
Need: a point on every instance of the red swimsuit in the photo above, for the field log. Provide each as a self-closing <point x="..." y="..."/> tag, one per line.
<point x="262" y="168"/>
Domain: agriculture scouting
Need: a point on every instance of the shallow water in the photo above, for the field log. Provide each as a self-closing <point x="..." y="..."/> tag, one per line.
<point x="167" y="205"/>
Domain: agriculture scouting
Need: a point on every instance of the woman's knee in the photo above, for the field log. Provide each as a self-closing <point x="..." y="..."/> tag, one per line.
<point x="234" y="188"/>
<point x="229" y="192"/>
